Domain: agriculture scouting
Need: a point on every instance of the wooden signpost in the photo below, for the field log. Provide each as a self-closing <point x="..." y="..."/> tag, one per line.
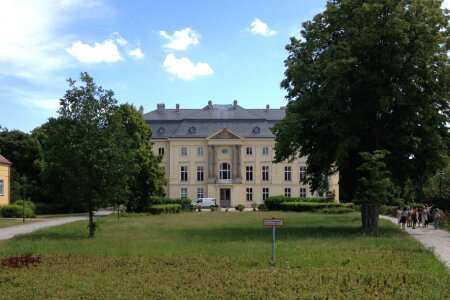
<point x="274" y="223"/>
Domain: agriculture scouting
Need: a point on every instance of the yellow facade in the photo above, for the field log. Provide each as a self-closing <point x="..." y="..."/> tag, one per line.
<point x="5" y="175"/>
<point x="231" y="149"/>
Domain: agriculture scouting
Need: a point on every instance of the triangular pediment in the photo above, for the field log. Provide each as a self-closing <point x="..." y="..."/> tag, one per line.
<point x="224" y="134"/>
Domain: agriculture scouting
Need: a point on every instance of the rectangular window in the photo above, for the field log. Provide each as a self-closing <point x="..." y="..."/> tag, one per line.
<point x="199" y="193"/>
<point x="183" y="151"/>
<point x="200" y="173"/>
<point x="249" y="150"/>
<point x="249" y="194"/>
<point x="161" y="151"/>
<point x="249" y="173"/>
<point x="265" y="150"/>
<point x="184" y="173"/>
<point x="265" y="193"/>
<point x="183" y="193"/>
<point x="265" y="173"/>
<point x="2" y="187"/>
<point x="200" y="151"/>
<point x="287" y="173"/>
<point x="303" y="192"/>
<point x="287" y="192"/>
<point x="302" y="173"/>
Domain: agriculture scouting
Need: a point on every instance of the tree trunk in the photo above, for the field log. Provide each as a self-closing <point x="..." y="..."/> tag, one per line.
<point x="370" y="214"/>
<point x="91" y="221"/>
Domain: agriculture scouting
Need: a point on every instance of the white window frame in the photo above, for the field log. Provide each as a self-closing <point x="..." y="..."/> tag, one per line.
<point x="184" y="173"/>
<point x="265" y="150"/>
<point x="249" y="194"/>
<point x="2" y="187"/>
<point x="302" y="173"/>
<point x="199" y="150"/>
<point x="225" y="173"/>
<point x="287" y="173"/>
<point x="265" y="193"/>
<point x="183" y="193"/>
<point x="183" y="151"/>
<point x="302" y="192"/>
<point x="265" y="173"/>
<point x="200" y="173"/>
<point x="249" y="150"/>
<point x="249" y="173"/>
<point x="200" y="193"/>
<point x="161" y="151"/>
<point x="287" y="192"/>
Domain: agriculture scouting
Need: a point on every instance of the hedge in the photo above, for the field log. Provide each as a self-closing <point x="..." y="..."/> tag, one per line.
<point x="274" y="202"/>
<point x="28" y="204"/>
<point x="16" y="211"/>
<point x="184" y="202"/>
<point x="312" y="206"/>
<point x="165" y="208"/>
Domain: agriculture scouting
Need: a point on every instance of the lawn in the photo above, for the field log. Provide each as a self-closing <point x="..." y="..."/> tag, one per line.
<point x="223" y="256"/>
<point x="13" y="222"/>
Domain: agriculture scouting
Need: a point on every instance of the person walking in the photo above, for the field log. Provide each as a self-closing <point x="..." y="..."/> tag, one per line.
<point x="436" y="216"/>
<point x="399" y="216"/>
<point x="404" y="217"/>
<point x="424" y="217"/>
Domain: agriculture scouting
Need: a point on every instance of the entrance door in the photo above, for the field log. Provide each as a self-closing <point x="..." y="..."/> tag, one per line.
<point x="225" y="198"/>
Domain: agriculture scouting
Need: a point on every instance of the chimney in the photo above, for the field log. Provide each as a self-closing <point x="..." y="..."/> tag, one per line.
<point x="267" y="107"/>
<point x="141" y="109"/>
<point x="177" y="107"/>
<point x="210" y="105"/>
<point x="235" y="104"/>
<point x="161" y="107"/>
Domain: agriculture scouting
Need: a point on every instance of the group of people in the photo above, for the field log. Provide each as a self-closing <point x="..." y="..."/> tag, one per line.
<point x="418" y="216"/>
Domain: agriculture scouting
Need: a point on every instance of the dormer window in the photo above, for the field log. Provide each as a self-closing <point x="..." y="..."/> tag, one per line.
<point x="256" y="130"/>
<point x="192" y="130"/>
<point x="161" y="130"/>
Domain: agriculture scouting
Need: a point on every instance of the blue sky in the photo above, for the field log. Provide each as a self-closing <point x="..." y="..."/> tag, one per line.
<point x="147" y="52"/>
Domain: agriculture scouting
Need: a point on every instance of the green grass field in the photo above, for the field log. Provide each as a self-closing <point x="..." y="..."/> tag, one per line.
<point x="223" y="256"/>
<point x="13" y="222"/>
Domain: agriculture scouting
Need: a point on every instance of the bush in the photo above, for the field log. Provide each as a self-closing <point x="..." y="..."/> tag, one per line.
<point x="57" y="208"/>
<point x="239" y="207"/>
<point x="312" y="206"/>
<point x="28" y="204"/>
<point x="274" y="202"/>
<point x="165" y="208"/>
<point x="262" y="206"/>
<point x="185" y="203"/>
<point x="15" y="211"/>
<point x="389" y="210"/>
<point x="336" y="210"/>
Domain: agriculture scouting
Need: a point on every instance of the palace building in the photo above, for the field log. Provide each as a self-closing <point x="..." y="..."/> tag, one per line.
<point x="225" y="152"/>
<point x="5" y="175"/>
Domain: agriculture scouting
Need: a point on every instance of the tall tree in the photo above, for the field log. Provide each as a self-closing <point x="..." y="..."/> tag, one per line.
<point x="149" y="177"/>
<point x="85" y="147"/>
<point x="368" y="75"/>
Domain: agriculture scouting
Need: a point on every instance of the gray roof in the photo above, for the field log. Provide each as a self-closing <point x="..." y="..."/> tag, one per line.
<point x="201" y="123"/>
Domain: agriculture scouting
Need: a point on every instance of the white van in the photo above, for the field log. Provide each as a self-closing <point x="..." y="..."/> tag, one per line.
<point x="205" y="202"/>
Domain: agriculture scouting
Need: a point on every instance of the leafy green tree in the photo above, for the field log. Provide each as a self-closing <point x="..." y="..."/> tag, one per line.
<point x="149" y="177"/>
<point x="85" y="148"/>
<point x="368" y="75"/>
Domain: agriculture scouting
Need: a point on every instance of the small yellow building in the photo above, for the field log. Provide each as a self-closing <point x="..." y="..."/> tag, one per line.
<point x="5" y="175"/>
<point x="226" y="152"/>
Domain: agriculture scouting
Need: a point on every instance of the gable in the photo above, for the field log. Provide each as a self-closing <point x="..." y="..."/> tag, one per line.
<point x="224" y="134"/>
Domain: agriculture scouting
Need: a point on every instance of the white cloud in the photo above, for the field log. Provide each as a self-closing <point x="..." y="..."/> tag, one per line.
<point x="259" y="27"/>
<point x="31" y="46"/>
<point x="136" y="53"/>
<point x="184" y="68"/>
<point x="180" y="40"/>
<point x="106" y="52"/>
<point x="446" y="4"/>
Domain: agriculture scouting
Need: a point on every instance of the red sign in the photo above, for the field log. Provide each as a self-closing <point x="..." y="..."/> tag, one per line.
<point x="273" y="222"/>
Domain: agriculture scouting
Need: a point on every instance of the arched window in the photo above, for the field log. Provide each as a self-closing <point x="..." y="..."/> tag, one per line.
<point x="225" y="171"/>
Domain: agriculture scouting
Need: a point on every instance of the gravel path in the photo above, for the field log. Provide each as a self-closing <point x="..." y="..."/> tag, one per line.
<point x="10" y="232"/>
<point x="437" y="240"/>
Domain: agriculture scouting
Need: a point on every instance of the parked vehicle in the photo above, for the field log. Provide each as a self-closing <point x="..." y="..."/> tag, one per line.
<point x="205" y="202"/>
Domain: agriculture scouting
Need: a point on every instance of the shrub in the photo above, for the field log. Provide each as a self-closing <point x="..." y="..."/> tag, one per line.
<point x="262" y="206"/>
<point x="388" y="210"/>
<point x="274" y="202"/>
<point x="336" y="210"/>
<point x="28" y="204"/>
<point x="239" y="207"/>
<point x="165" y="208"/>
<point x="15" y="211"/>
<point x="312" y="206"/>
<point x="254" y="205"/>
<point x="58" y="208"/>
